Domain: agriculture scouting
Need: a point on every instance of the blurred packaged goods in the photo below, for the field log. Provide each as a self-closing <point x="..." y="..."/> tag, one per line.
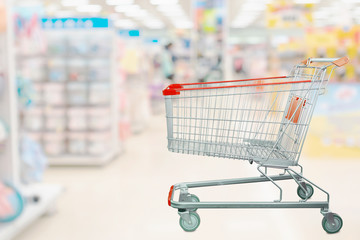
<point x="335" y="130"/>
<point x="74" y="86"/>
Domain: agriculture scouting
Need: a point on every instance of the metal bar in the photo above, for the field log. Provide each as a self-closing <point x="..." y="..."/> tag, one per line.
<point x="236" y="94"/>
<point x="270" y="179"/>
<point x="229" y="120"/>
<point x="191" y="205"/>
<point x="323" y="59"/>
<point x="231" y="181"/>
<point x="327" y="194"/>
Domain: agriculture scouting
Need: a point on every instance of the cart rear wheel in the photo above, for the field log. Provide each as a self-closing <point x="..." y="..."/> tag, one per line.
<point x="192" y="225"/>
<point x="332" y="228"/>
<point x="302" y="194"/>
<point x="194" y="198"/>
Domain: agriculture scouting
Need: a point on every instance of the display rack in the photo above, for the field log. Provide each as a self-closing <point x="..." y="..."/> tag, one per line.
<point x="9" y="157"/>
<point x="75" y="108"/>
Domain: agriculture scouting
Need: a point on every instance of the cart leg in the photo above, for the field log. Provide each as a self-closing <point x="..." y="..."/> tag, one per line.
<point x="184" y="194"/>
<point x="264" y="174"/>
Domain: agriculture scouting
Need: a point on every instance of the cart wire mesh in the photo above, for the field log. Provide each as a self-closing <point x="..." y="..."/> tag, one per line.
<point x="263" y="120"/>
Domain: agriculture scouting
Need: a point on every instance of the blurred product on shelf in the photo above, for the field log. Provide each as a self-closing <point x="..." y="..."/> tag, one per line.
<point x="77" y="143"/>
<point x="54" y="94"/>
<point x="55" y="119"/>
<point x="157" y="106"/>
<point x="77" y="119"/>
<point x="131" y="55"/>
<point x="26" y="92"/>
<point x="11" y="203"/>
<point x="210" y="26"/>
<point x="76" y="93"/>
<point x="99" y="119"/>
<point x="33" y="119"/>
<point x="33" y="160"/>
<point x="99" y="93"/>
<point x="54" y="144"/>
<point x="4" y="133"/>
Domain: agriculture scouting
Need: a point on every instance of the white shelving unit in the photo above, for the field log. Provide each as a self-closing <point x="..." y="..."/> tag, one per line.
<point x="9" y="157"/>
<point x="80" y="86"/>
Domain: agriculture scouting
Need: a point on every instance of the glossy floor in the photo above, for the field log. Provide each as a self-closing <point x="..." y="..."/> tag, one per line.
<point x="127" y="199"/>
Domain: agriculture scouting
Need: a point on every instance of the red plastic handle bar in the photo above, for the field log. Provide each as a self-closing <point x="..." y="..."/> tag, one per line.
<point x="170" y="194"/>
<point x="171" y="89"/>
<point x="174" y="89"/>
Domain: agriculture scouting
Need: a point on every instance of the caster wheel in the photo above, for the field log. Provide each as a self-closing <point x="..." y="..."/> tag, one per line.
<point x="194" y="198"/>
<point x="192" y="225"/>
<point x="302" y="194"/>
<point x="332" y="228"/>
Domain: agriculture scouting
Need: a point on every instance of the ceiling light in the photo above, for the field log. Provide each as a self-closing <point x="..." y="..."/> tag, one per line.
<point x="71" y="3"/>
<point x="306" y="1"/>
<point x="174" y="14"/>
<point x="119" y="2"/>
<point x="154" y="24"/>
<point x="138" y="13"/>
<point x="28" y="3"/>
<point x="64" y="13"/>
<point x="163" y="2"/>
<point x="253" y="6"/>
<point x="124" y="23"/>
<point x="89" y="8"/>
<point x="127" y="8"/>
<point x="168" y="8"/>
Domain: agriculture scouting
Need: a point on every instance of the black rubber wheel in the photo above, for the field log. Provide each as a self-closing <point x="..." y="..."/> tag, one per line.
<point x="332" y="228"/>
<point x="302" y="194"/>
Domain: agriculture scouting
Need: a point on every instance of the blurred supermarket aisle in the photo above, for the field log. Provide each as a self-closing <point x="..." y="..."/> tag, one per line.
<point x="81" y="85"/>
<point x="127" y="199"/>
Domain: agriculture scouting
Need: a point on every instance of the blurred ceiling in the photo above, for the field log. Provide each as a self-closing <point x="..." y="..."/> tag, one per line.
<point x="159" y="14"/>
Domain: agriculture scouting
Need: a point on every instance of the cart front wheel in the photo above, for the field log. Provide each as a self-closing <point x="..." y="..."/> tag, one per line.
<point x="302" y="194"/>
<point x="332" y="227"/>
<point x="192" y="225"/>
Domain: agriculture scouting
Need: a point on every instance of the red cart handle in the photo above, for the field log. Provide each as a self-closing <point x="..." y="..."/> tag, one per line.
<point x="174" y="89"/>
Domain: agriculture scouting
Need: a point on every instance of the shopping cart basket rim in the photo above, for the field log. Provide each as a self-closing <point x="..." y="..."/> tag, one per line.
<point x="174" y="89"/>
<point x="235" y="80"/>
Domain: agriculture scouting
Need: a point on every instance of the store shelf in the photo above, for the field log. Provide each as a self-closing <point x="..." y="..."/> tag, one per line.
<point x="32" y="211"/>
<point x="78" y="86"/>
<point x="82" y="160"/>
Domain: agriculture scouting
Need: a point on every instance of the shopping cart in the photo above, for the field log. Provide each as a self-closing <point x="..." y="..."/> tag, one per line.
<point x="262" y="120"/>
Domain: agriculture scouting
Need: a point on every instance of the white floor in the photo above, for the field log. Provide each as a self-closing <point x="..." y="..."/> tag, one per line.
<point x="127" y="199"/>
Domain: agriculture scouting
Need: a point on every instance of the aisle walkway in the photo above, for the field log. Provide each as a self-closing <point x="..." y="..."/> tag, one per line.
<point x="127" y="199"/>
